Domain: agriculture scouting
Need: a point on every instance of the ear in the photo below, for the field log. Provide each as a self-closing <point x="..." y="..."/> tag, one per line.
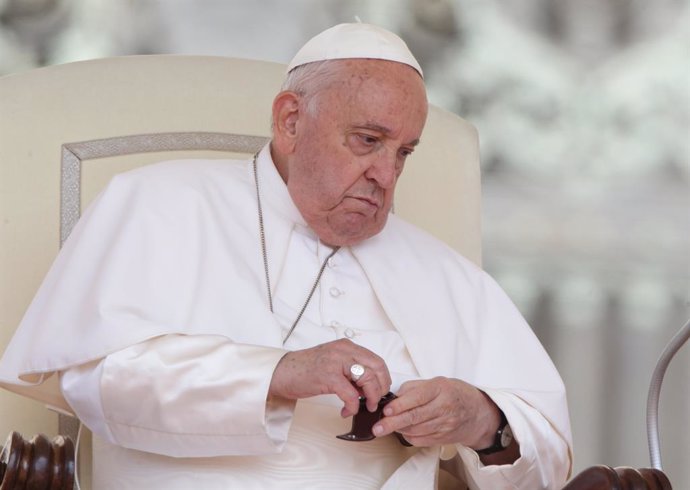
<point x="285" y="116"/>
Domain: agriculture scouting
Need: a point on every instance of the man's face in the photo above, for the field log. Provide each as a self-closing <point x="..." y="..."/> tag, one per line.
<point x="350" y="150"/>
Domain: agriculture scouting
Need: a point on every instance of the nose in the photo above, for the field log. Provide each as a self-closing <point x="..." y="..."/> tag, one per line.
<point x="383" y="170"/>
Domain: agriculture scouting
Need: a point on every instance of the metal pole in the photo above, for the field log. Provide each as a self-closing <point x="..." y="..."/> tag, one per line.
<point x="655" y="389"/>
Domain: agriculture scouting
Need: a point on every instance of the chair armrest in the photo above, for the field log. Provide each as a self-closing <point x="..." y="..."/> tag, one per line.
<point x="39" y="464"/>
<point x="621" y="478"/>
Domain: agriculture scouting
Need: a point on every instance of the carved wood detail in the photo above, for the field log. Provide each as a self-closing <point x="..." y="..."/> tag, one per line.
<point x="38" y="464"/>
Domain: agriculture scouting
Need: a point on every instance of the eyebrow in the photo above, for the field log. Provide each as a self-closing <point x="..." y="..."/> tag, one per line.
<point x="386" y="130"/>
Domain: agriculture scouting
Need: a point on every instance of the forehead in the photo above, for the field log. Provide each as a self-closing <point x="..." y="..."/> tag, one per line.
<point x="378" y="92"/>
<point x="387" y="75"/>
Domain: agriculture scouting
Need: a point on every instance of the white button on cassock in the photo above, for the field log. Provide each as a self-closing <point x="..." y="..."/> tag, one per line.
<point x="335" y="292"/>
<point x="349" y="333"/>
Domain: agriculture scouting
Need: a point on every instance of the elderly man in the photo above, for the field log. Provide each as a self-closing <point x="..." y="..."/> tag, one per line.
<point x="232" y="313"/>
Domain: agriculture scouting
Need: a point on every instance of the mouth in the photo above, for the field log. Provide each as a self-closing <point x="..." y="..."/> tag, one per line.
<point x="365" y="205"/>
<point x="369" y="201"/>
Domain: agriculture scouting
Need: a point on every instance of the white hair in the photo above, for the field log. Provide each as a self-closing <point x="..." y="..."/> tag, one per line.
<point x="310" y="80"/>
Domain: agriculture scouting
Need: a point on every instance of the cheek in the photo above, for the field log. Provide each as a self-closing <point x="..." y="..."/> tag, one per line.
<point x="324" y="182"/>
<point x="336" y="179"/>
<point x="314" y="190"/>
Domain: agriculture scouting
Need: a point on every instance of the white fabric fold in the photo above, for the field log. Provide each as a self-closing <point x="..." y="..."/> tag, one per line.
<point x="172" y="249"/>
<point x="202" y="387"/>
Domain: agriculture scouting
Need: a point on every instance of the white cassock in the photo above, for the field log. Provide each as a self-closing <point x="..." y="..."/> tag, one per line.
<point x="156" y="315"/>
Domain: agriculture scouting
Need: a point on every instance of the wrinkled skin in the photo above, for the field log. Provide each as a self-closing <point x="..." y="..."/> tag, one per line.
<point x="341" y="162"/>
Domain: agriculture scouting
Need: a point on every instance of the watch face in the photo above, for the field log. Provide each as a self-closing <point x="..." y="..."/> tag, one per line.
<point x="506" y="436"/>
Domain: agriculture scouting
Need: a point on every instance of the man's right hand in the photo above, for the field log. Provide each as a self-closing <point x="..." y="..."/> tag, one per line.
<point x="325" y="369"/>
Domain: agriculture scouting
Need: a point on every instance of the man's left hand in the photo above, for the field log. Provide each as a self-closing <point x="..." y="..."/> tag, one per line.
<point x="441" y="411"/>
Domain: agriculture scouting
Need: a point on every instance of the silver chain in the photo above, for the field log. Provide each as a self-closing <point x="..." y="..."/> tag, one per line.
<point x="264" y="254"/>
<point x="262" y="234"/>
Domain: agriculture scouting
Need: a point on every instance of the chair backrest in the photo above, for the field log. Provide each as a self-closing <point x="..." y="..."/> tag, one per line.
<point x="65" y="130"/>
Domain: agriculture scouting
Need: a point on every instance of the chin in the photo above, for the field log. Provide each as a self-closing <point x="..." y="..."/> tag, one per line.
<point x="349" y="231"/>
<point x="349" y="237"/>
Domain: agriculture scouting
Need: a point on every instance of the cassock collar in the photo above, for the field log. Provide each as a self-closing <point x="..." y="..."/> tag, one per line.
<point x="274" y="191"/>
<point x="382" y="270"/>
<point x="281" y="216"/>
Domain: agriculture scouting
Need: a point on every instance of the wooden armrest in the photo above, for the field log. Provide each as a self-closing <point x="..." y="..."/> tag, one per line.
<point x="39" y="464"/>
<point x="620" y="478"/>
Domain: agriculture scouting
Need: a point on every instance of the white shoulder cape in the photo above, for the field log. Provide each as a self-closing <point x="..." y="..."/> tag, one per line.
<point x="174" y="248"/>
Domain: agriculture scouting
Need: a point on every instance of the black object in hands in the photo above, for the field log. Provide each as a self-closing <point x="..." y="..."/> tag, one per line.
<point x="364" y="420"/>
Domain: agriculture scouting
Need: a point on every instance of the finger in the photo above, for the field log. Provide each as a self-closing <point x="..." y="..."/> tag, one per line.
<point x="372" y="391"/>
<point x="383" y="375"/>
<point x="368" y="385"/>
<point x="375" y="382"/>
<point x="374" y="379"/>
<point x="374" y="365"/>
<point x="403" y="421"/>
<point x="349" y="395"/>
<point x="430" y="433"/>
<point x="415" y="395"/>
<point x="437" y="427"/>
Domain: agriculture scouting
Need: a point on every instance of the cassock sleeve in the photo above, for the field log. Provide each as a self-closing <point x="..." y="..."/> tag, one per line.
<point x="515" y="372"/>
<point x="183" y="396"/>
<point x="544" y="461"/>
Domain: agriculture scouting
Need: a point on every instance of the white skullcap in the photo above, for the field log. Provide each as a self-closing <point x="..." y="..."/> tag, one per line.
<point x="355" y="40"/>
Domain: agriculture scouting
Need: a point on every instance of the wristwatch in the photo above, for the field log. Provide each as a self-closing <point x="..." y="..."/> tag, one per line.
<point x="502" y="439"/>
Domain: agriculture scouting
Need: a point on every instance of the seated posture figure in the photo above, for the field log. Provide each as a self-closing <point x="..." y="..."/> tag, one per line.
<point x="226" y="317"/>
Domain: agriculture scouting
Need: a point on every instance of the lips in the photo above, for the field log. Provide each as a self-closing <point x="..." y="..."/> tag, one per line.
<point x="365" y="204"/>
<point x="371" y="201"/>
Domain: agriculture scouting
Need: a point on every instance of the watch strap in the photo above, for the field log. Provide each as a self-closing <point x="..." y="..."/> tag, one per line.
<point x="498" y="438"/>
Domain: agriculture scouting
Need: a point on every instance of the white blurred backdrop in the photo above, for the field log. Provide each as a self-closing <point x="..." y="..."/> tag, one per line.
<point x="583" y="109"/>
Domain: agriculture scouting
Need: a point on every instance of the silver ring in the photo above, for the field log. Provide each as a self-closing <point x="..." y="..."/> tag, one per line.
<point x="356" y="371"/>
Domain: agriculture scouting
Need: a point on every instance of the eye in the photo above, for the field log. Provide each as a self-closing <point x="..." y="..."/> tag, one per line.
<point x="363" y="143"/>
<point x="405" y="152"/>
<point x="367" y="139"/>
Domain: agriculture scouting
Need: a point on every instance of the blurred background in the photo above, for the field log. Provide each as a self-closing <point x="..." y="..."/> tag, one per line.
<point x="583" y="110"/>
